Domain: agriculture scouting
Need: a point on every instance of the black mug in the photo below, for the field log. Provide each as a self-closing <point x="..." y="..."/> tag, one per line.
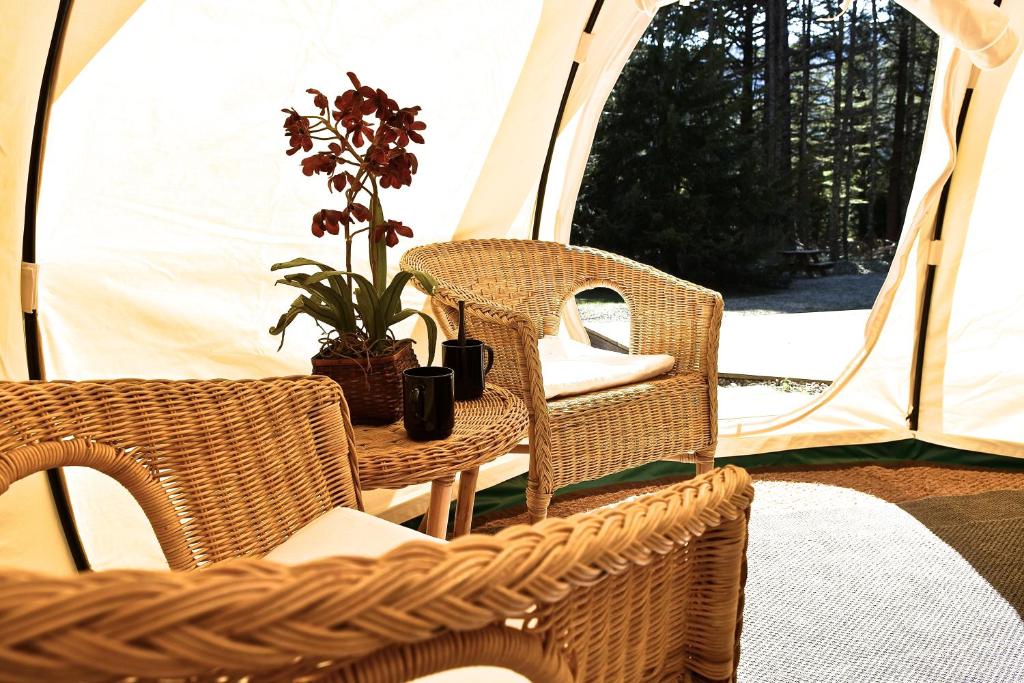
<point x="429" y="395"/>
<point x="467" y="360"/>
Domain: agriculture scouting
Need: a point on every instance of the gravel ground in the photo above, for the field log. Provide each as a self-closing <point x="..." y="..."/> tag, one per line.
<point x="805" y="295"/>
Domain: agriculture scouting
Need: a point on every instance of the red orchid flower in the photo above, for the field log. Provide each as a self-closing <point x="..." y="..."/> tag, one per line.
<point x="399" y="170"/>
<point x="357" y="129"/>
<point x="329" y="220"/>
<point x="390" y="232"/>
<point x="319" y="100"/>
<point x="383" y="106"/>
<point x="404" y="121"/>
<point x="321" y="162"/>
<point x="359" y="212"/>
<point x="367" y="119"/>
<point x="297" y="129"/>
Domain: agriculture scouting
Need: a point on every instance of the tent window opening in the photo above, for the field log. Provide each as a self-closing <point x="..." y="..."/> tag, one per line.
<point x="770" y="157"/>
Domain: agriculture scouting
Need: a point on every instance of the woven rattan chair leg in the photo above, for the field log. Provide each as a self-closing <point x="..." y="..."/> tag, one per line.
<point x="537" y="504"/>
<point x="705" y="459"/>
<point x="440" y="501"/>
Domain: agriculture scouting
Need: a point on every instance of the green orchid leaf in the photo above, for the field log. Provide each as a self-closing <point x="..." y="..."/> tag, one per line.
<point x="369" y="311"/>
<point x="320" y="294"/>
<point x="378" y="248"/>
<point x="305" y="305"/>
<point x="341" y="303"/>
<point x="338" y="283"/>
<point x="427" y="282"/>
<point x="431" y="328"/>
<point x="391" y="300"/>
<point x="362" y="282"/>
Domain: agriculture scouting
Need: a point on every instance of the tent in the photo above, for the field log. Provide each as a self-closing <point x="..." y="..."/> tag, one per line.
<point x="141" y="245"/>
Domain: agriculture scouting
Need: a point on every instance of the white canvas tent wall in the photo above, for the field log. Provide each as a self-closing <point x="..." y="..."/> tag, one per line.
<point x="165" y="197"/>
<point x="971" y="393"/>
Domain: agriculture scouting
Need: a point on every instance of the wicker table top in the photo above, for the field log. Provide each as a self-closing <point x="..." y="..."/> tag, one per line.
<point x="484" y="429"/>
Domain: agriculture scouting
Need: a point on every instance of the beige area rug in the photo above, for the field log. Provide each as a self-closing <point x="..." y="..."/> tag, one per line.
<point x="895" y="482"/>
<point x="843" y="586"/>
<point x="894" y="572"/>
<point x="987" y="529"/>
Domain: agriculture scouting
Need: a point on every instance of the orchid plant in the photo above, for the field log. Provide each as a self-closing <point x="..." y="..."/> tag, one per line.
<point x="367" y="138"/>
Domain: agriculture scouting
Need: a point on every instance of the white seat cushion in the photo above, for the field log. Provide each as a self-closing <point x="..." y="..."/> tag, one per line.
<point x="344" y="531"/>
<point x="571" y="367"/>
<point x="474" y="674"/>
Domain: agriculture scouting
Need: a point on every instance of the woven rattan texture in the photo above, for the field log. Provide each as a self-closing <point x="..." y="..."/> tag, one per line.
<point x="514" y="292"/>
<point x="649" y="590"/>
<point x="372" y="385"/>
<point x="221" y="468"/>
<point x="485" y="428"/>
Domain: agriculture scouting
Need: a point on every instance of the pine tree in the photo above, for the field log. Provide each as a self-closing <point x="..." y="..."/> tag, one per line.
<point x="738" y="127"/>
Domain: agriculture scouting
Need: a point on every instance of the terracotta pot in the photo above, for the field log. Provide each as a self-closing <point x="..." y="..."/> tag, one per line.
<point x="372" y="386"/>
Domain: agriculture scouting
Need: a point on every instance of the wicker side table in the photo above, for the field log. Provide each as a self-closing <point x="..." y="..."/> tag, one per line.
<point x="485" y="429"/>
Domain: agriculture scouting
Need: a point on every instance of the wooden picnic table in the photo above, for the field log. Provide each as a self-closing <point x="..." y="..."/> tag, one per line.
<point x="807" y="260"/>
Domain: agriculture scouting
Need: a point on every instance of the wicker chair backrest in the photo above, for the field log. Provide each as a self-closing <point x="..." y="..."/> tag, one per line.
<point x="222" y="468"/>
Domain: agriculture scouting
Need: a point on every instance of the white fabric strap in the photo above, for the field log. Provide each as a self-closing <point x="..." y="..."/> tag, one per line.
<point x="977" y="27"/>
<point x="583" y="48"/>
<point x="29" y="287"/>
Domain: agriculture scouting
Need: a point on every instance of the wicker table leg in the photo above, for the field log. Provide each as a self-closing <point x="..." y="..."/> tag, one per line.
<point x="440" y="500"/>
<point x="464" y="505"/>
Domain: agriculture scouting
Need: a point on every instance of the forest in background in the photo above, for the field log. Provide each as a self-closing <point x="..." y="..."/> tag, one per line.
<point x="739" y="128"/>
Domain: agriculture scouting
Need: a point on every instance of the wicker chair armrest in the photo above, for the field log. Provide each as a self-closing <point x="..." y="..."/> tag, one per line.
<point x="477" y="306"/>
<point x="596" y="571"/>
<point x="511" y="334"/>
<point x="144" y="487"/>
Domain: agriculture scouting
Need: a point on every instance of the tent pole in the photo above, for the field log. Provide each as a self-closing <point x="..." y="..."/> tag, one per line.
<point x="538" y="207"/>
<point x="54" y="477"/>
<point x="914" y="416"/>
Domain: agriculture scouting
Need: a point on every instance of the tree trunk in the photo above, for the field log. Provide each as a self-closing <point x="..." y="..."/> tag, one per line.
<point x="803" y="189"/>
<point x="777" y="110"/>
<point x="872" y="185"/>
<point x="848" y="131"/>
<point x="894" y="205"/>
<point x="747" y="60"/>
<point x="838" y="144"/>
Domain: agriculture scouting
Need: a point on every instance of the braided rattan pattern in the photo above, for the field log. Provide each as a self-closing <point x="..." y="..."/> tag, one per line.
<point x="221" y="468"/>
<point x="649" y="590"/>
<point x="515" y="291"/>
<point x="484" y="429"/>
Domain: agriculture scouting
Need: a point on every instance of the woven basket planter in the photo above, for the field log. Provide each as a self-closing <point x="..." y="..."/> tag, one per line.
<point x="372" y="386"/>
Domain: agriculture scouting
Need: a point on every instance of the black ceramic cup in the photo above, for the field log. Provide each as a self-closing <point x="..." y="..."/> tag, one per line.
<point x="429" y="403"/>
<point x="467" y="361"/>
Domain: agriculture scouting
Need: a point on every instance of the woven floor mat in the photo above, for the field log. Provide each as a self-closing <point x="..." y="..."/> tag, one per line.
<point x="987" y="529"/>
<point x="892" y="482"/>
<point x="846" y="588"/>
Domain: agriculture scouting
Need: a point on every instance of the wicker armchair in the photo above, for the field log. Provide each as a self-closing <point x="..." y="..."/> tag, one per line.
<point x="514" y="292"/>
<point x="647" y="590"/>
<point x="221" y="468"/>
